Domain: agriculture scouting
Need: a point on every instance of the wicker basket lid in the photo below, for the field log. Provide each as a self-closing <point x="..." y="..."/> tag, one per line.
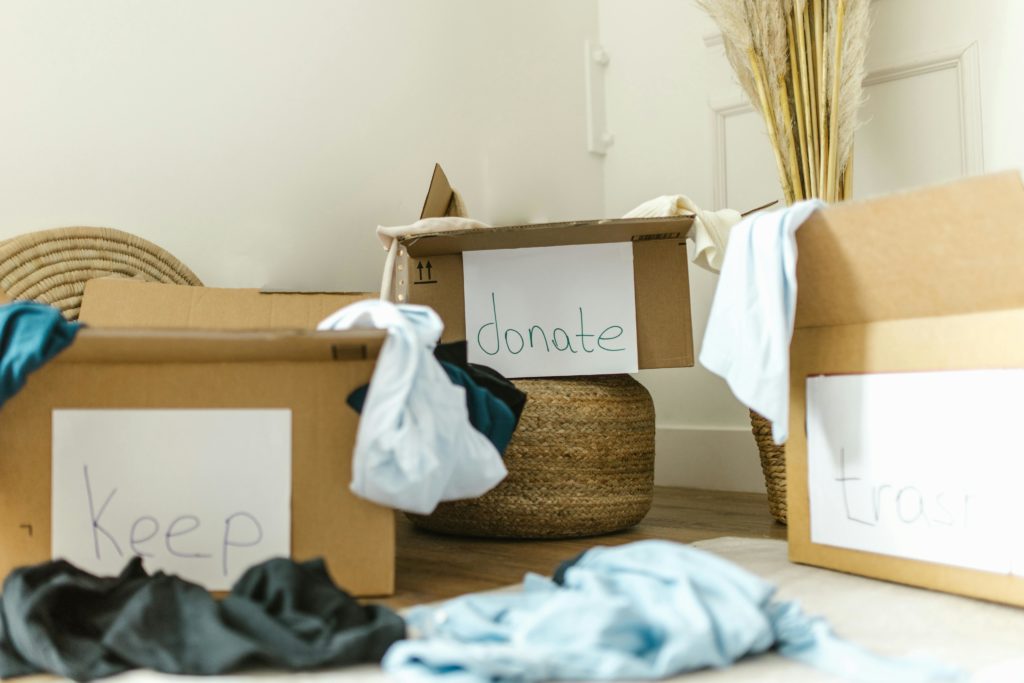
<point x="52" y="266"/>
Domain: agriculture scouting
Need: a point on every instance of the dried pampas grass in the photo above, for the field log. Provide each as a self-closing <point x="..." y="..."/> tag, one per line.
<point x="851" y="78"/>
<point x="801" y="63"/>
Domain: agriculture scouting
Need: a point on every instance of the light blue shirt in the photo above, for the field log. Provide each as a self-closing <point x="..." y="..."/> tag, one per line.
<point x="415" y="445"/>
<point x="751" y="322"/>
<point x="640" y="611"/>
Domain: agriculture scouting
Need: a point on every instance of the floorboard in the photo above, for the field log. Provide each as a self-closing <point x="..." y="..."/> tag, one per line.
<point x="433" y="567"/>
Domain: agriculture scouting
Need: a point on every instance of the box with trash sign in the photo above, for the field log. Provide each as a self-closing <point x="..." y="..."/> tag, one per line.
<point x="574" y="298"/>
<point x="906" y="371"/>
<point x="202" y="450"/>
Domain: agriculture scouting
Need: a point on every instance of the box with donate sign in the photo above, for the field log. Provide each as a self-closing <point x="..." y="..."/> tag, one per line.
<point x="617" y="286"/>
<point x="568" y="309"/>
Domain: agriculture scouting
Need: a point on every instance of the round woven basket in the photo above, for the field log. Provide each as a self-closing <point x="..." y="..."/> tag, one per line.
<point x="773" y="465"/>
<point x="52" y="266"/>
<point x="581" y="463"/>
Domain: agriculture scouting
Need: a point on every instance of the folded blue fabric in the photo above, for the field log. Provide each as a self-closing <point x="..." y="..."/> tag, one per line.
<point x="640" y="611"/>
<point x="30" y="335"/>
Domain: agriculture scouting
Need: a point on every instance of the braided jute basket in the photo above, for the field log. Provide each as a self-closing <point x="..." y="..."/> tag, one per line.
<point x="581" y="463"/>
<point x="773" y="465"/>
<point x="52" y="266"/>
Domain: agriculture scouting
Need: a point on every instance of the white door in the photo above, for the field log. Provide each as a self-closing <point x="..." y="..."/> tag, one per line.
<point x="944" y="101"/>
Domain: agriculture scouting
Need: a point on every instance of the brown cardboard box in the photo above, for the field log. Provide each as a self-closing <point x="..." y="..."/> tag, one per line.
<point x="922" y="281"/>
<point x="661" y="280"/>
<point x="112" y="302"/>
<point x="310" y="373"/>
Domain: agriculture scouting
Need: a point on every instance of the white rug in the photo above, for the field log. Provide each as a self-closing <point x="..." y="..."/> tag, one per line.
<point x="985" y="639"/>
<point x="982" y="638"/>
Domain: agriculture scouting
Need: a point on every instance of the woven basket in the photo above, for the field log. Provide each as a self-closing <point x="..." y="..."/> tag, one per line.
<point x="581" y="463"/>
<point x="52" y="266"/>
<point x="773" y="465"/>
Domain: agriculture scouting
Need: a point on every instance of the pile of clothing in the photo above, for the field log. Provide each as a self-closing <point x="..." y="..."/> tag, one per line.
<point x="58" y="619"/>
<point x="639" y="611"/>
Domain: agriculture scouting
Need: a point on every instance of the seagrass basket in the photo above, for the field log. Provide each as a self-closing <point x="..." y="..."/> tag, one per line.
<point x="581" y="463"/>
<point x="773" y="465"/>
<point x="52" y="266"/>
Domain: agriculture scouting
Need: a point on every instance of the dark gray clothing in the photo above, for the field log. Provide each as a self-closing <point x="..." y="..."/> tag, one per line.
<point x="59" y="619"/>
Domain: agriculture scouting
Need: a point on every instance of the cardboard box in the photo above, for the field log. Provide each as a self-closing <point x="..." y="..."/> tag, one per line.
<point x="922" y="282"/>
<point x="113" y="302"/>
<point x="661" y="280"/>
<point x="308" y="373"/>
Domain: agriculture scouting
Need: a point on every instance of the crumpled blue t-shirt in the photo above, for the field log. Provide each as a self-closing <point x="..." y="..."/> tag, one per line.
<point x="30" y="335"/>
<point x="640" y="611"/>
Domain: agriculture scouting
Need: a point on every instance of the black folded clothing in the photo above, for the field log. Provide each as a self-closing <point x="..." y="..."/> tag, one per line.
<point x="59" y="619"/>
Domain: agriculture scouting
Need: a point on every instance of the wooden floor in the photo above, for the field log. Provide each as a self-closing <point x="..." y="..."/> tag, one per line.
<point x="432" y="567"/>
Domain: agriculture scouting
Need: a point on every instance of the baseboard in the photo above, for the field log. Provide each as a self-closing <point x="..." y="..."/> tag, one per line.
<point x="718" y="459"/>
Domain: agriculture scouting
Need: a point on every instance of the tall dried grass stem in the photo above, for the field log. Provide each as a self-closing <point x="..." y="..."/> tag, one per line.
<point x="798" y="106"/>
<point x="832" y="177"/>
<point x="773" y="137"/>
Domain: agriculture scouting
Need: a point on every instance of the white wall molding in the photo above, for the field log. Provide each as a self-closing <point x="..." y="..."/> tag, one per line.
<point x="963" y="61"/>
<point x="719" y="459"/>
<point x="721" y="111"/>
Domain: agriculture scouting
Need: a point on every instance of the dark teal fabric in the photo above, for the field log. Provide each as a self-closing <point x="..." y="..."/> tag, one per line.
<point x="488" y="414"/>
<point x="456" y="353"/>
<point x="59" y="619"/>
<point x="30" y="335"/>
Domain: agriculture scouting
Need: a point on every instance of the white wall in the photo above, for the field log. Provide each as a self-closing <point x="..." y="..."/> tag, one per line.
<point x="660" y="78"/>
<point x="939" y="109"/>
<point x="261" y="141"/>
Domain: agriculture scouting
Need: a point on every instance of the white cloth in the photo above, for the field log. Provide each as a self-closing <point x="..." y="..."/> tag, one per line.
<point x="389" y="237"/>
<point x="751" y="323"/>
<point x="710" y="230"/>
<point x="415" y="445"/>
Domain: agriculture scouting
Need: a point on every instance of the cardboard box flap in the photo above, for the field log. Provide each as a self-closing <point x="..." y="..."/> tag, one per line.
<point x="439" y="196"/>
<point x="187" y="346"/>
<point x="549" y="235"/>
<point x="944" y="250"/>
<point x="112" y="302"/>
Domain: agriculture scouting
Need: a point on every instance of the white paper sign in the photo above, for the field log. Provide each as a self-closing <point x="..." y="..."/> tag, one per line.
<point x="925" y="465"/>
<point x="203" y="494"/>
<point x="551" y="311"/>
